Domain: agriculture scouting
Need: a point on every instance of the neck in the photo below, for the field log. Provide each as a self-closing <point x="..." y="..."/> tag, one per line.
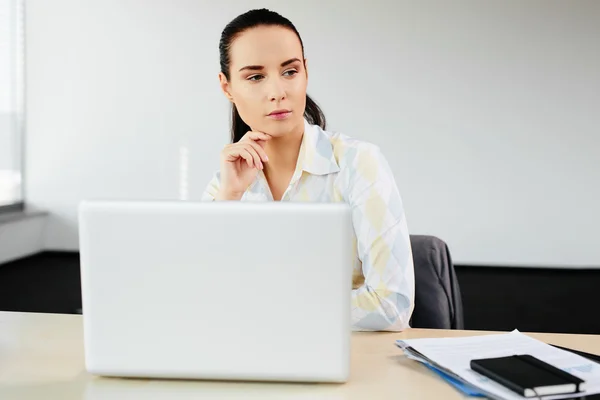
<point x="283" y="152"/>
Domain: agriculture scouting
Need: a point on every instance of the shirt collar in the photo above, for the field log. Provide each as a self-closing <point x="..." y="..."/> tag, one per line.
<point x="316" y="151"/>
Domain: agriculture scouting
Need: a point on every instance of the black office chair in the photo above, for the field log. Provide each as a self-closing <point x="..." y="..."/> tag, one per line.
<point x="438" y="303"/>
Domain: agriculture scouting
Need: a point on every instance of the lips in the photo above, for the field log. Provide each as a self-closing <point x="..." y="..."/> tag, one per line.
<point x="276" y="112"/>
<point x="279" y="115"/>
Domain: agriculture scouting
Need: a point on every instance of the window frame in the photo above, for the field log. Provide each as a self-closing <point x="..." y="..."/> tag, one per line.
<point x="18" y="12"/>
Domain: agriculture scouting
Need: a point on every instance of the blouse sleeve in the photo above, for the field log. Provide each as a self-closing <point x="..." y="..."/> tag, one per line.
<point x="211" y="190"/>
<point x="386" y="299"/>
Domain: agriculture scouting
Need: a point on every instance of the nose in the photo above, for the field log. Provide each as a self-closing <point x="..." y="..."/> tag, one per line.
<point x="276" y="90"/>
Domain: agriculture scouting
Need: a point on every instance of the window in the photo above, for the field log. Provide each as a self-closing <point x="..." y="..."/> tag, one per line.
<point x="11" y="103"/>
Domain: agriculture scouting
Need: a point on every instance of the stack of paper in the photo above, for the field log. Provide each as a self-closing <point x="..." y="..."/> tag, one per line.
<point x="451" y="357"/>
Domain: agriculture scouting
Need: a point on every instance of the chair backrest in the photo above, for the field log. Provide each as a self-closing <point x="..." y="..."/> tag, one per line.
<point x="438" y="302"/>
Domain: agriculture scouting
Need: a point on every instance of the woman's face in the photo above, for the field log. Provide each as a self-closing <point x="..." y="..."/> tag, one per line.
<point x="268" y="75"/>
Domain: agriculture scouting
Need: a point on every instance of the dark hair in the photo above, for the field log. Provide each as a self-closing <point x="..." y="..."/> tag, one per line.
<point x="251" y="19"/>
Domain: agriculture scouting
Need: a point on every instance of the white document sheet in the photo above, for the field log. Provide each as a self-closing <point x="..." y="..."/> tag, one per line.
<point x="455" y="355"/>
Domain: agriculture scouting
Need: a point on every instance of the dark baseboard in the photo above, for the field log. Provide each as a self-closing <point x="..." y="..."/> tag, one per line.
<point x="47" y="282"/>
<point x="530" y="299"/>
<point x="59" y="253"/>
<point x="494" y="298"/>
<point x="11" y="208"/>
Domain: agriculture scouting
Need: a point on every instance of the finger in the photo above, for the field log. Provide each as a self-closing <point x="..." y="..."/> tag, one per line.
<point x="246" y="155"/>
<point x="231" y="153"/>
<point x="235" y="152"/>
<point x="258" y="148"/>
<point x="254" y="154"/>
<point x="261" y="142"/>
<point x="256" y="135"/>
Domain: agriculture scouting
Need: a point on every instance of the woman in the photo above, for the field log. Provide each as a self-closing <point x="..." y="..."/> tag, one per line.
<point x="280" y="151"/>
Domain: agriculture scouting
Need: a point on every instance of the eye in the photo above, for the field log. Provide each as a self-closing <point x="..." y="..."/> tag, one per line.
<point x="255" y="78"/>
<point x="290" y="72"/>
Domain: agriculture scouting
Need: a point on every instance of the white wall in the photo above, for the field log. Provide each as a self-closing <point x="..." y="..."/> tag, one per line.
<point x="21" y="237"/>
<point x="487" y="111"/>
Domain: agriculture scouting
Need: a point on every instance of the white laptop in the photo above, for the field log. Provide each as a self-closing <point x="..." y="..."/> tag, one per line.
<point x="223" y="290"/>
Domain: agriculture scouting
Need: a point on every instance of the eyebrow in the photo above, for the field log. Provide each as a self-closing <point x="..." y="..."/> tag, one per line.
<point x="260" y="67"/>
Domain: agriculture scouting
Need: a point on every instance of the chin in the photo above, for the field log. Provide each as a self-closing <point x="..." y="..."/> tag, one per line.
<point x="282" y="128"/>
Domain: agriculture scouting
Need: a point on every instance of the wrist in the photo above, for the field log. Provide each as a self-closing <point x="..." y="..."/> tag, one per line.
<point x="225" y="194"/>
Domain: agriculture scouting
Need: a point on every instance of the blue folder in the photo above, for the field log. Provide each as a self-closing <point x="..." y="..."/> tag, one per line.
<point x="462" y="387"/>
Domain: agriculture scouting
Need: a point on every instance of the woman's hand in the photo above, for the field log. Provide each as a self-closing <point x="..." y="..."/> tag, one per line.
<point x="240" y="163"/>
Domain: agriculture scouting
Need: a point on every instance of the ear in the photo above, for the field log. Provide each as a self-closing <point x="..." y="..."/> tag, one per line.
<point x="225" y="86"/>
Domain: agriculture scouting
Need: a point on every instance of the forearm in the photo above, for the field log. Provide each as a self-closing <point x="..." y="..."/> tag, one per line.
<point x="379" y="310"/>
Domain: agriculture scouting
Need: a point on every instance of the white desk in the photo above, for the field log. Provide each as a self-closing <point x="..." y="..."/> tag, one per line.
<point x="41" y="357"/>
